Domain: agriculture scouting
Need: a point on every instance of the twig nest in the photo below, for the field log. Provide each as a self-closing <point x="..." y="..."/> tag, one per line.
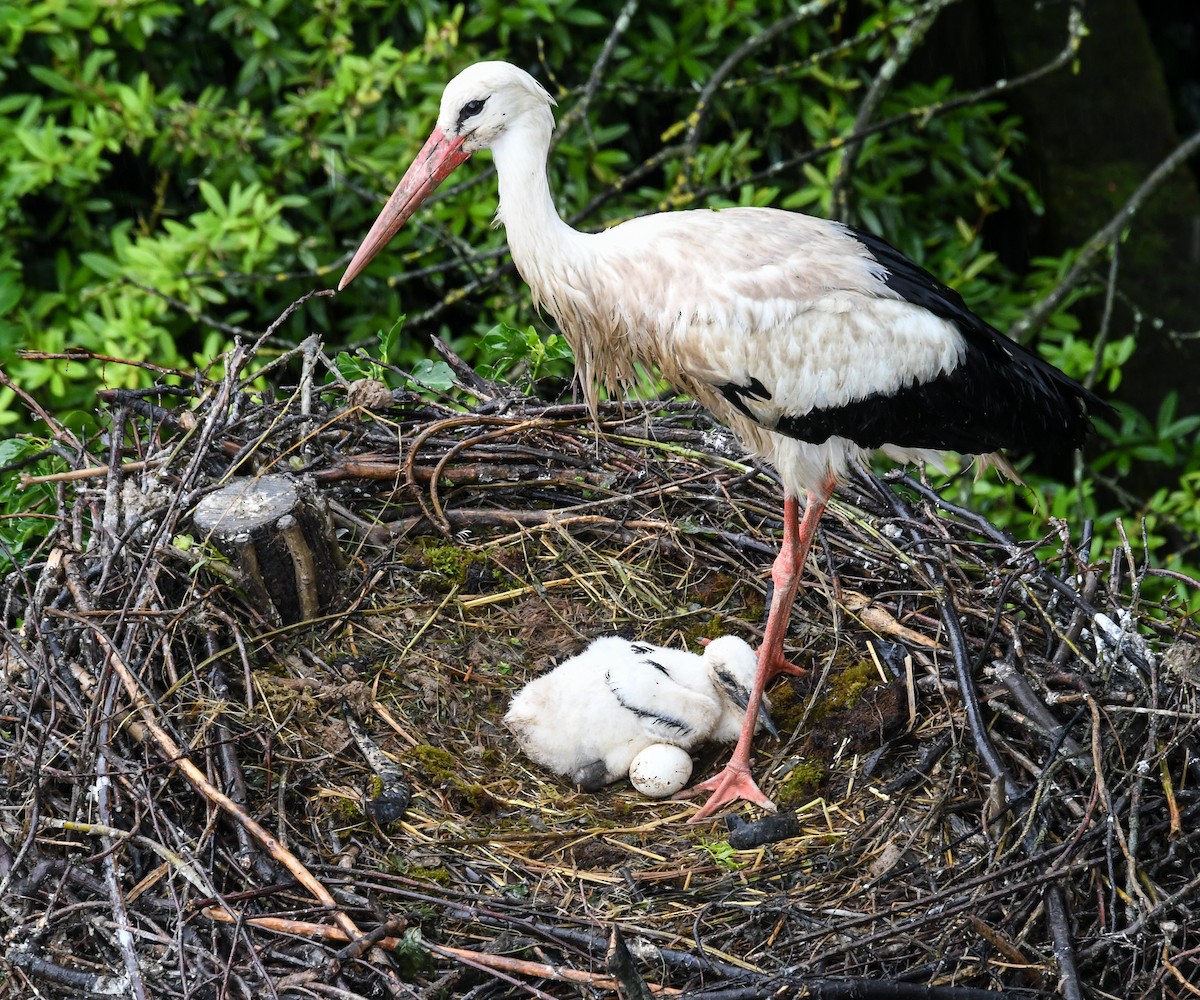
<point x="660" y="770"/>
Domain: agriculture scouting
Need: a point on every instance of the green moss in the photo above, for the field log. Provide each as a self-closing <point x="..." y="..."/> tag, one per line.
<point x="801" y="784"/>
<point x="714" y="628"/>
<point x="449" y="562"/>
<point x="401" y="865"/>
<point x="847" y="686"/>
<point x="437" y="875"/>
<point x="619" y="809"/>
<point x="346" y="810"/>
<point x="842" y="691"/>
<point x="713" y="589"/>
<point x="472" y="796"/>
<point x="787" y="707"/>
<point x="438" y="765"/>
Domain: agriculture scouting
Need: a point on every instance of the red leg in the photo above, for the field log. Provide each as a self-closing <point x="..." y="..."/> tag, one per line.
<point x="735" y="781"/>
<point x="785" y="580"/>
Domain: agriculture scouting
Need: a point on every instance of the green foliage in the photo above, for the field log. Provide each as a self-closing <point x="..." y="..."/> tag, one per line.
<point x="1163" y="529"/>
<point x="434" y="376"/>
<point x="722" y="853"/>
<point x="169" y="167"/>
<point x="1167" y="440"/>
<point x="26" y="512"/>
<point x="411" y="956"/>
<point x="176" y="169"/>
<point x="437" y="376"/>
<point x="504" y="349"/>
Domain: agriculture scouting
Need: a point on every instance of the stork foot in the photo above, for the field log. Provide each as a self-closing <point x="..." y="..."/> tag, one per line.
<point x="732" y="784"/>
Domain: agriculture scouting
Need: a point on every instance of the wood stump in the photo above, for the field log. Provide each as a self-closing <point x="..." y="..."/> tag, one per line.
<point x="280" y="541"/>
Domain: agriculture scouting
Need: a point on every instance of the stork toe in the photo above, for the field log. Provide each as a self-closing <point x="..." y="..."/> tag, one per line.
<point x="733" y="784"/>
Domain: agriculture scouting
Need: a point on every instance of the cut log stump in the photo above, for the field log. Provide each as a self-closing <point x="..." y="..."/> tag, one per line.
<point x="280" y="541"/>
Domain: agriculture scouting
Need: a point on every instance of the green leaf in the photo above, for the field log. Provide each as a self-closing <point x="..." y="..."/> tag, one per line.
<point x="389" y="341"/>
<point x="104" y="266"/>
<point x="352" y="368"/>
<point x="10" y="292"/>
<point x="52" y="79"/>
<point x="435" y="375"/>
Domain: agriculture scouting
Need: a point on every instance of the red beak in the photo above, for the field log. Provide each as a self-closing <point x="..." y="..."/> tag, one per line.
<point x="436" y="161"/>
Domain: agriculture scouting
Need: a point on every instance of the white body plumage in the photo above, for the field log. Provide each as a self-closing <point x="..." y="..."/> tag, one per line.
<point x="714" y="299"/>
<point x="592" y="714"/>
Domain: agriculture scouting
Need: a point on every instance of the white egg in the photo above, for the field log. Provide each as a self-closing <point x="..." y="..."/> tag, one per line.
<point x="660" y="770"/>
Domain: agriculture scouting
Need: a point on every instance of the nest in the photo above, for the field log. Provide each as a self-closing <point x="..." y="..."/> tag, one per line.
<point x="988" y="782"/>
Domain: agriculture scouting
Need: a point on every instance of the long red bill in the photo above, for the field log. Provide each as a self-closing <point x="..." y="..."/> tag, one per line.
<point x="436" y="161"/>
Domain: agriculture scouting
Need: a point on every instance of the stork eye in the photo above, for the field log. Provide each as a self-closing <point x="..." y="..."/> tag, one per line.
<point x="471" y="109"/>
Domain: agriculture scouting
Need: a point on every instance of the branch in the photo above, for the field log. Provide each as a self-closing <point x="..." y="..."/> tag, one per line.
<point x="703" y="103"/>
<point x="1103" y="237"/>
<point x="882" y="83"/>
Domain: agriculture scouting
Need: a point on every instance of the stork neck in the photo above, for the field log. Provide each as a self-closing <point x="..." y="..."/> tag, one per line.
<point x="531" y="221"/>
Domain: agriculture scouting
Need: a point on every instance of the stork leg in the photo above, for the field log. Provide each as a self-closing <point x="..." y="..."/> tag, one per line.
<point x="736" y="782"/>
<point x="786" y="571"/>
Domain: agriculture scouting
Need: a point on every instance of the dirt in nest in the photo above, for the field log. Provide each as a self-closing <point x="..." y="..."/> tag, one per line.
<point x="989" y="777"/>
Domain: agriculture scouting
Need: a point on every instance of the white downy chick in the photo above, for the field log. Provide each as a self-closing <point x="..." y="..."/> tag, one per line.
<point x="593" y="713"/>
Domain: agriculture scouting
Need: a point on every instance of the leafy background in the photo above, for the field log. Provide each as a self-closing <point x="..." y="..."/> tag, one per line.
<point x="177" y="173"/>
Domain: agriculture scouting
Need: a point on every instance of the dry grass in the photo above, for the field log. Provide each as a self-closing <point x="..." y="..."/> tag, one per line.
<point x="1049" y="847"/>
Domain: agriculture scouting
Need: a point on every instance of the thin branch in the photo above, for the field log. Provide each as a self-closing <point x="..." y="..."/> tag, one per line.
<point x="1105" y="236"/>
<point x="880" y="85"/>
<point x="733" y="60"/>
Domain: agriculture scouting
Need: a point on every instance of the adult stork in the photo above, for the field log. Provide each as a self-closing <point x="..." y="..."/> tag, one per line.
<point x="816" y="343"/>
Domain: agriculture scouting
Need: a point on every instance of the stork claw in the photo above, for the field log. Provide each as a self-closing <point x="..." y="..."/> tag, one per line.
<point x="732" y="784"/>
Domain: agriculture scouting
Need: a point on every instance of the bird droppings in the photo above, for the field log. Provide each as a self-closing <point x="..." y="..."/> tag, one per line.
<point x="1182" y="663"/>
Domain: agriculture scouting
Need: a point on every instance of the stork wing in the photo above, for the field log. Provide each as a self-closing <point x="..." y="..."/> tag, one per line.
<point x="815" y="330"/>
<point x="668" y="711"/>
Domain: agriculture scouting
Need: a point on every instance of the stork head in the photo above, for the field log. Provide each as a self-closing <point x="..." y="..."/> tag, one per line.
<point x="485" y="100"/>
<point x="480" y="106"/>
<point x="733" y="665"/>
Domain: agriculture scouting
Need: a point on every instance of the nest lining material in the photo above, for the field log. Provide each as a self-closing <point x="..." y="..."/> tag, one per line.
<point x="989" y="786"/>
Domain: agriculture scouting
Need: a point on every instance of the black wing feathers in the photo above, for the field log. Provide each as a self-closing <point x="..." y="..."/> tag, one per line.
<point x="736" y="395"/>
<point x="1001" y="395"/>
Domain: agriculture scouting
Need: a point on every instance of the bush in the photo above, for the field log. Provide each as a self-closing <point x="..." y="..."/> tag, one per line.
<point x="178" y="172"/>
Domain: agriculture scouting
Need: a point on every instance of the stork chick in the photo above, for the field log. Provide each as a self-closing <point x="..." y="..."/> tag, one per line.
<point x="593" y="713"/>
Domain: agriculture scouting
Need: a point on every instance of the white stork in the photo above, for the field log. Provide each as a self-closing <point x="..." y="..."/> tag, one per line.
<point x="815" y="342"/>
